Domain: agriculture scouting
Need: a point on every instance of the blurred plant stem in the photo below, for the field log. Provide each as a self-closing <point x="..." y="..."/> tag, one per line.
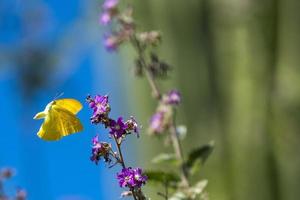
<point x="158" y="96"/>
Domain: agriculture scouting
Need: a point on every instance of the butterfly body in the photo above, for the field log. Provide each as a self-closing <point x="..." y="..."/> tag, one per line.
<point x="59" y="119"/>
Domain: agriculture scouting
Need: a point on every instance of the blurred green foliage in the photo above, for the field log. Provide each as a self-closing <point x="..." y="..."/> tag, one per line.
<point x="237" y="65"/>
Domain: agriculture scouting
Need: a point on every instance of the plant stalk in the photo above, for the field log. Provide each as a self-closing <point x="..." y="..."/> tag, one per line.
<point x="123" y="164"/>
<point x="157" y="95"/>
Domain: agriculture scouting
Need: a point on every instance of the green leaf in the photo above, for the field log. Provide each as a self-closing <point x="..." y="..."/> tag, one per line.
<point x="201" y="153"/>
<point x="195" y="168"/>
<point x="162" y="177"/>
<point x="165" y="158"/>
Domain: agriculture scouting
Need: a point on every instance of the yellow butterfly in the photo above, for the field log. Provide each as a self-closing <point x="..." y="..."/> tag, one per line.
<point x="60" y="119"/>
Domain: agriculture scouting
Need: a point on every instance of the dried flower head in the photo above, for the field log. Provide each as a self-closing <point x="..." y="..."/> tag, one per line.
<point x="132" y="125"/>
<point x="152" y="37"/>
<point x="100" y="150"/>
<point x="157" y="67"/>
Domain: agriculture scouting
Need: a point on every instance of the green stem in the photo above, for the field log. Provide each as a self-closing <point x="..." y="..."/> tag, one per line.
<point x="123" y="164"/>
<point x="120" y="153"/>
<point x="178" y="149"/>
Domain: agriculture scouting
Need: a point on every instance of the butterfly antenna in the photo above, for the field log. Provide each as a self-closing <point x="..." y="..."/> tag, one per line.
<point x="58" y="95"/>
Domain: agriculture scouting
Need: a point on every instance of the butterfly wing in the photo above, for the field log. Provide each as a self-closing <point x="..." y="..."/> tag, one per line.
<point x="59" y="122"/>
<point x="69" y="122"/>
<point x="51" y="128"/>
<point x="71" y="105"/>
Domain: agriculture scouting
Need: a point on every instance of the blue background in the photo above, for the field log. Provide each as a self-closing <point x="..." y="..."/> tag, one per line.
<point x="68" y="34"/>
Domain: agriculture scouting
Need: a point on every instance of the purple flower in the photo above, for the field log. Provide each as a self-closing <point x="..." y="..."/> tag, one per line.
<point x="21" y="194"/>
<point x="173" y="97"/>
<point x="118" y="128"/>
<point x="110" y="4"/>
<point x="100" y="104"/>
<point x="131" y="177"/>
<point x="95" y="140"/>
<point x="105" y="18"/>
<point x="100" y="108"/>
<point x="111" y="42"/>
<point x="99" y="150"/>
<point x="109" y="11"/>
<point x="157" y="122"/>
<point x="132" y="125"/>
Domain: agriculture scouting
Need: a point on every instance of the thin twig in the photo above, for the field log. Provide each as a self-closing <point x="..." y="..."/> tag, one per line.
<point x="123" y="164"/>
<point x="166" y="190"/>
<point x="140" y="50"/>
<point x="178" y="149"/>
<point x="120" y="153"/>
<point x="133" y="193"/>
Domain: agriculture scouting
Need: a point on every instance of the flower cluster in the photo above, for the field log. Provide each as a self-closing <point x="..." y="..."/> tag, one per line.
<point x="117" y="128"/>
<point x="109" y="11"/>
<point x="131" y="177"/>
<point x="161" y="119"/>
<point x="148" y="64"/>
<point x="101" y="150"/>
<point x="125" y="31"/>
<point x="100" y="108"/>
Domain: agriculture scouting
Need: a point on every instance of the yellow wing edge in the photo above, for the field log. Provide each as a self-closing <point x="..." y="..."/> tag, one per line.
<point x="72" y="105"/>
